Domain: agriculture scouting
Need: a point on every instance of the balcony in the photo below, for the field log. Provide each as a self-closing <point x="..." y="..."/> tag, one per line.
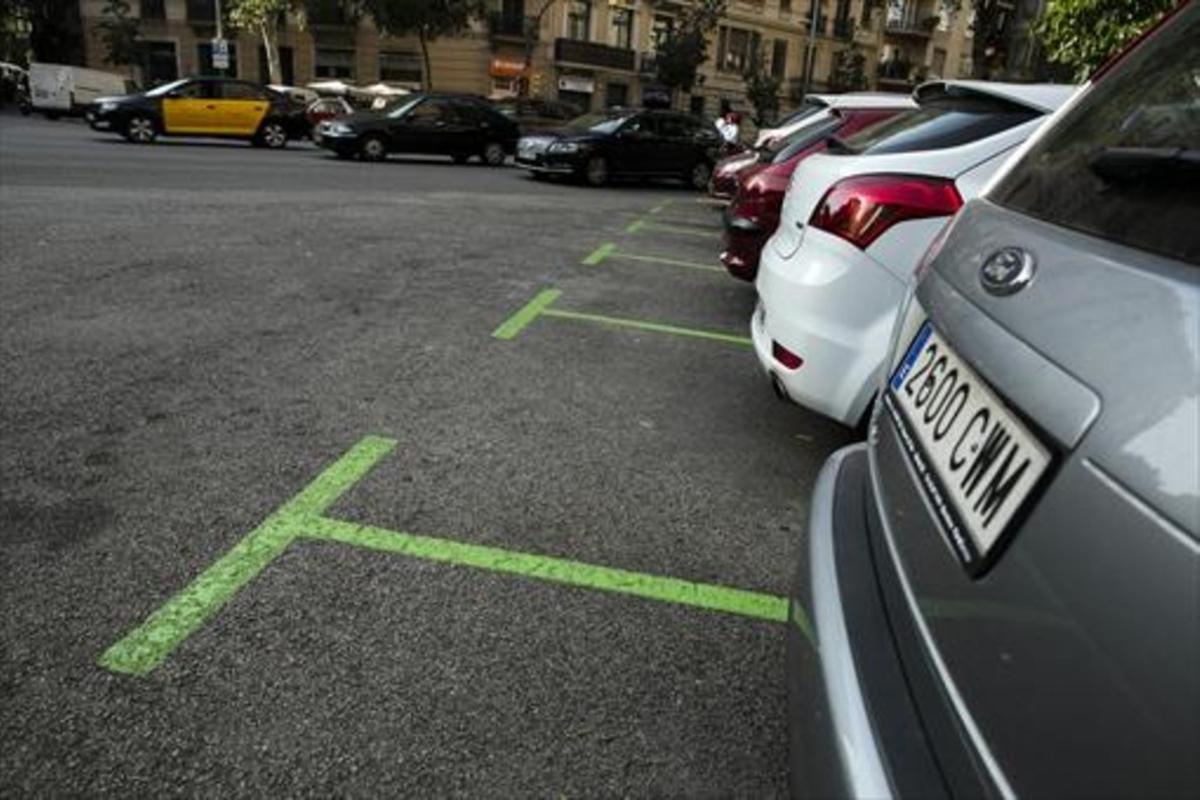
<point x="894" y="73"/>
<point x="912" y="20"/>
<point x="594" y="55"/>
<point x="843" y="28"/>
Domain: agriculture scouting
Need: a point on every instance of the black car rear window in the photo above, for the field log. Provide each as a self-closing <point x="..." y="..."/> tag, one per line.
<point x="950" y="118"/>
<point x="1124" y="164"/>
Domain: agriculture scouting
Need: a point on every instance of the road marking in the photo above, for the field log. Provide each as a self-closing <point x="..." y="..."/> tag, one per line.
<point x="600" y="253"/>
<point x="635" y="226"/>
<point x="756" y="605"/>
<point x="658" y="208"/>
<point x="146" y="647"/>
<point x="657" y="327"/>
<point x="528" y="313"/>
<point x="609" y="250"/>
<point x="689" y="230"/>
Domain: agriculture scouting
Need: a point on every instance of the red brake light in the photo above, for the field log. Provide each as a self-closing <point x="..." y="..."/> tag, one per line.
<point x="861" y="209"/>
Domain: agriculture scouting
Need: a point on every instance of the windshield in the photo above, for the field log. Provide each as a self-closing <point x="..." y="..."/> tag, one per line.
<point x="597" y="122"/>
<point x="159" y="91"/>
<point x="809" y="108"/>
<point x="404" y="106"/>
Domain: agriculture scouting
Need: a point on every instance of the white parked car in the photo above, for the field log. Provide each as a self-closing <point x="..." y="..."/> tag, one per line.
<point x="817" y="106"/>
<point x="855" y="223"/>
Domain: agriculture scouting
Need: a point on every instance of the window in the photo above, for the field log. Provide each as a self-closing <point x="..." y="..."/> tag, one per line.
<point x="160" y="62"/>
<point x="204" y="65"/>
<point x="621" y="22"/>
<point x="616" y="94"/>
<point x="334" y="63"/>
<point x="579" y="20"/>
<point x="865" y="16"/>
<point x="785" y="5"/>
<point x="401" y="66"/>
<point x="779" y="59"/>
<point x="947" y="119"/>
<point x="735" y="49"/>
<point x="430" y="113"/>
<point x="286" y="66"/>
<point x="1117" y="165"/>
<point x="153" y="9"/>
<point x="237" y="90"/>
<point x="661" y="30"/>
<point x="938" y="68"/>
<point x="187" y="90"/>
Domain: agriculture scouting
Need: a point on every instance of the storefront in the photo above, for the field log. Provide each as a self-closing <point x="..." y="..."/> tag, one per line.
<point x="506" y="73"/>
<point x="577" y="89"/>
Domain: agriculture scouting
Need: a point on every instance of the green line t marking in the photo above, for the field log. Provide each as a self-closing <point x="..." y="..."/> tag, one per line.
<point x="528" y="313"/>
<point x="148" y="645"/>
<point x="600" y="253"/>
<point x="650" y="326"/>
<point x="635" y="226"/>
<point x="663" y="260"/>
<point x="557" y="570"/>
<point x="685" y="229"/>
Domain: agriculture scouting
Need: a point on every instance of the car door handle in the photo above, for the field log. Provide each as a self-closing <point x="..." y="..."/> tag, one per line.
<point x="211" y="107"/>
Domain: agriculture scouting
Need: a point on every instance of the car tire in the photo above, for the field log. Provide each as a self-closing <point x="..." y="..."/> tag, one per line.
<point x="700" y="175"/>
<point x="493" y="154"/>
<point x="372" y="147"/>
<point x="272" y="134"/>
<point x="595" y="172"/>
<point x="141" y="129"/>
<point x="460" y="158"/>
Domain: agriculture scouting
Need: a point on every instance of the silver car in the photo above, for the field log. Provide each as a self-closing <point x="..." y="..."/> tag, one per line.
<point x="1002" y="588"/>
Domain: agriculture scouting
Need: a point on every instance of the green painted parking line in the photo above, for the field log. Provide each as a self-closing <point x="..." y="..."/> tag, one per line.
<point x="146" y="647"/>
<point x="656" y="327"/>
<point x="609" y="250"/>
<point x="600" y="253"/>
<point x="658" y="208"/>
<point x="557" y="570"/>
<point x="528" y="313"/>
<point x="684" y="229"/>
<point x="635" y="226"/>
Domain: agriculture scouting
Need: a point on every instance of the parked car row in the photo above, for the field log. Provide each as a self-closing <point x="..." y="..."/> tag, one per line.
<point x="999" y="286"/>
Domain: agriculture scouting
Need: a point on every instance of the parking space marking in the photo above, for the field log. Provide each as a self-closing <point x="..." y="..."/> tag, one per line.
<point x="540" y="306"/>
<point x="687" y="230"/>
<point x="609" y="250"/>
<point x="146" y="647"/>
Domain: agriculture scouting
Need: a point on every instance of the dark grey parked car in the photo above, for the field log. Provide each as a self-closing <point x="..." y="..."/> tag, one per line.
<point x="1002" y="590"/>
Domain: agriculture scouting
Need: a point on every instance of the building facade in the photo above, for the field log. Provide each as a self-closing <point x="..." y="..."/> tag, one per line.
<point x="593" y="53"/>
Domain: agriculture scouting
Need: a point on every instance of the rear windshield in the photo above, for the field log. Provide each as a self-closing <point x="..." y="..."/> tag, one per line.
<point x="948" y="119"/>
<point x="1124" y="164"/>
<point x="803" y="112"/>
<point x="803" y="139"/>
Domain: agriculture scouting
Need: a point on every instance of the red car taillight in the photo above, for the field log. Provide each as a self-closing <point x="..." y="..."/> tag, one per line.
<point x="861" y="209"/>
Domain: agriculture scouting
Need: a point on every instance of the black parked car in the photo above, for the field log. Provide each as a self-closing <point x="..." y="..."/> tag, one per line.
<point x="625" y="143"/>
<point x="452" y="125"/>
<point x="535" y="114"/>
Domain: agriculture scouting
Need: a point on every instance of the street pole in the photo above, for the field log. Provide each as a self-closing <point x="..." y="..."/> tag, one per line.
<point x="809" y="50"/>
<point x="220" y="29"/>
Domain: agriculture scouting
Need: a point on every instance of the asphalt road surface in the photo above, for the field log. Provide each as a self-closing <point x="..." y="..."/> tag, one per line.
<point x="488" y="587"/>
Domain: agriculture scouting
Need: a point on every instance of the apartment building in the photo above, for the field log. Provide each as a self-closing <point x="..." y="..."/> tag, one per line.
<point x="594" y="53"/>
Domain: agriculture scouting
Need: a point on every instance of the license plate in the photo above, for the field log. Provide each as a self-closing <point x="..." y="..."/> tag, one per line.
<point x="977" y="462"/>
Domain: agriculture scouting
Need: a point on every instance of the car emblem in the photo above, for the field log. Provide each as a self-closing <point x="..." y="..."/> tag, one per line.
<point x="1007" y="271"/>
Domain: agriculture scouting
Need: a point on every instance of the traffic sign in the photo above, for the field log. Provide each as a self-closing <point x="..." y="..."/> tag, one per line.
<point x="220" y="53"/>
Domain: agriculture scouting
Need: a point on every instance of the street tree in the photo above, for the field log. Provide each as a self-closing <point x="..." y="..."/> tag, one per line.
<point x="119" y="32"/>
<point x="762" y="90"/>
<point x="849" y="72"/>
<point x="685" y="48"/>
<point x="262" y="18"/>
<point x="55" y="29"/>
<point x="1082" y="34"/>
<point x="532" y="30"/>
<point x="428" y="20"/>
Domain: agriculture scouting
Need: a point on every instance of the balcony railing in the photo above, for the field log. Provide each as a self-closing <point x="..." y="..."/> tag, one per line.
<point x="912" y="19"/>
<point x="594" y="54"/>
<point x="502" y="25"/>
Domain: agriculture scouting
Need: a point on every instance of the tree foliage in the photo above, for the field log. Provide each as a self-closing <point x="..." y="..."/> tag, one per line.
<point x="762" y="91"/>
<point x="680" y="55"/>
<point x="426" y="19"/>
<point x="1083" y="34"/>
<point x="55" y="29"/>
<point x="119" y="32"/>
<point x="849" y="72"/>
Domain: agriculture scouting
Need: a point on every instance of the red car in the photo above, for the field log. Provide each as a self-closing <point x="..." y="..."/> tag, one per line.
<point x="724" y="182"/>
<point x="753" y="214"/>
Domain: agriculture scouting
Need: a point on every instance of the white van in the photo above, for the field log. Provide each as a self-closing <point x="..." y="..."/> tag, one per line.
<point x="56" y="89"/>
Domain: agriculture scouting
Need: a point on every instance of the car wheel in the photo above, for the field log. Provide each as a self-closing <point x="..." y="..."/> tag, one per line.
<point x="493" y="154"/>
<point x="460" y="158"/>
<point x="372" y="148"/>
<point x="596" y="171"/>
<point x="272" y="134"/>
<point x="141" y="129"/>
<point x="700" y="175"/>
